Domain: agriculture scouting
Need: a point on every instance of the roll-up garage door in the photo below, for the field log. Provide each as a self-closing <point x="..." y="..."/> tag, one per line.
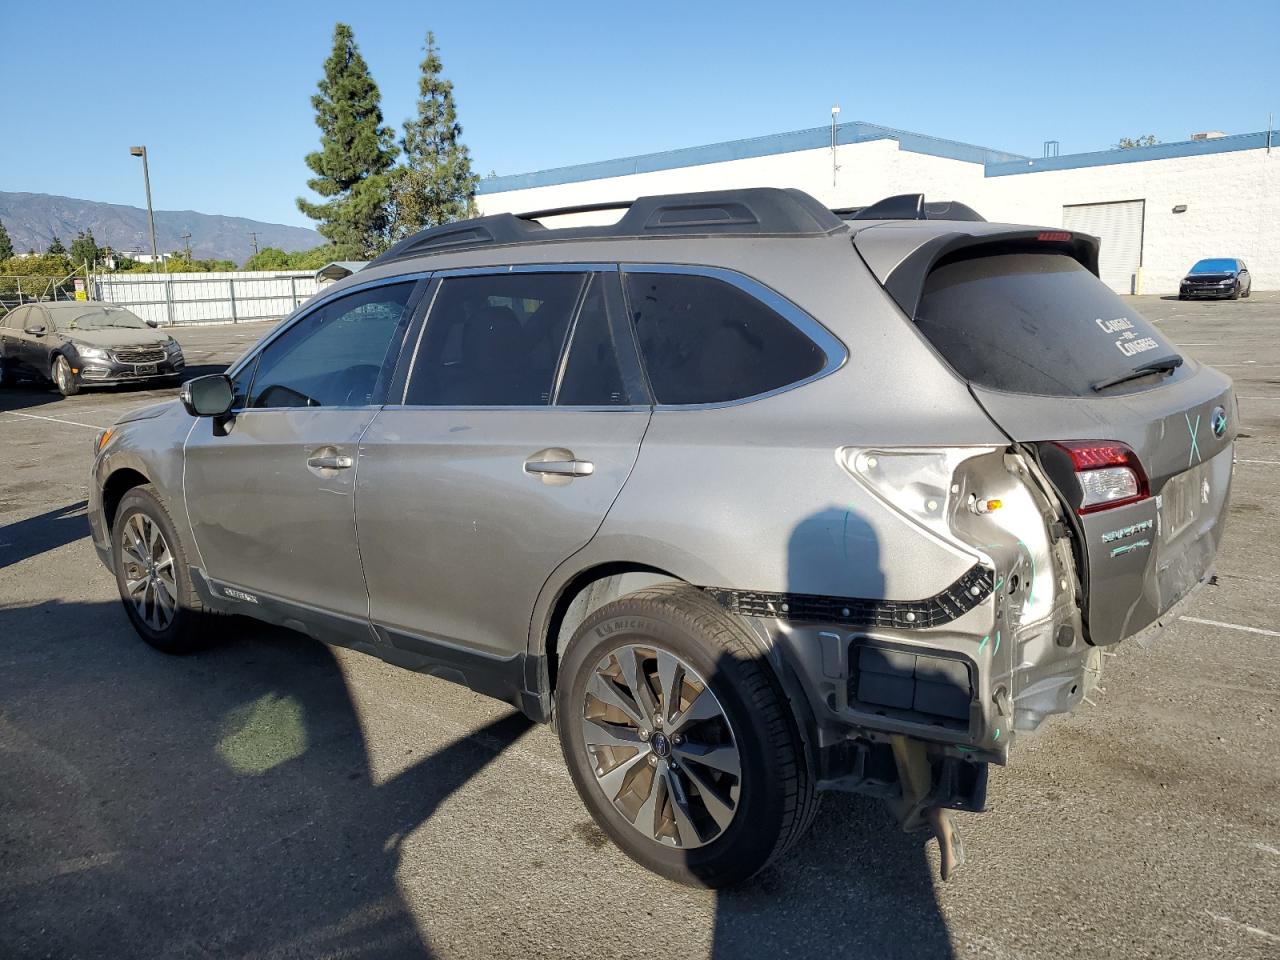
<point x="1119" y="226"/>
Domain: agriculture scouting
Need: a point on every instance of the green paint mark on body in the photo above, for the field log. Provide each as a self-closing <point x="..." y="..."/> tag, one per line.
<point x="997" y="646"/>
<point x="983" y="643"/>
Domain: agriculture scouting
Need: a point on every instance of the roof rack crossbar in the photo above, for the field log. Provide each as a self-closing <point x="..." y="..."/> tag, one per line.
<point x="578" y="208"/>
<point x="911" y="206"/>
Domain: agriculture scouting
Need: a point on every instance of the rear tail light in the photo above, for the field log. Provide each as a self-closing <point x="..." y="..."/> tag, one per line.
<point x="1108" y="472"/>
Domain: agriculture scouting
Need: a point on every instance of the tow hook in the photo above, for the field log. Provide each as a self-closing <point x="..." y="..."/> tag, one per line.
<point x="918" y="806"/>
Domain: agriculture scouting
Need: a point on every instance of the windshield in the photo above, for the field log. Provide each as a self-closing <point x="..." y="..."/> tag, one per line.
<point x="1214" y="266"/>
<point x="103" y="318"/>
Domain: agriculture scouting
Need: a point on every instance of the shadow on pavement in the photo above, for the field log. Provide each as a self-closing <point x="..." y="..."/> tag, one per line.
<point x="215" y="804"/>
<point x="24" y="396"/>
<point x="28" y="538"/>
<point x="855" y="871"/>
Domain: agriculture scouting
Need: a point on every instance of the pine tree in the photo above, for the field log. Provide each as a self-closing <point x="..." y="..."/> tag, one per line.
<point x="356" y="152"/>
<point x="84" y="249"/>
<point x="56" y="246"/>
<point x="436" y="184"/>
<point x="6" y="245"/>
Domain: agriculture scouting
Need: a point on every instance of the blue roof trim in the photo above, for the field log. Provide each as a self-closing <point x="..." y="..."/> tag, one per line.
<point x="996" y="163"/>
<point x="811" y="139"/>
<point x="1161" y="151"/>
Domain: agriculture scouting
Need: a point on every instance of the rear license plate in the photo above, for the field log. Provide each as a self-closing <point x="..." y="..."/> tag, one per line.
<point x="144" y="369"/>
<point x="1178" y="503"/>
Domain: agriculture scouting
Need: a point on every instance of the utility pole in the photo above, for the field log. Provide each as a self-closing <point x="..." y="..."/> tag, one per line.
<point x="151" y="218"/>
<point x="186" y="243"/>
<point x="253" y="236"/>
<point x="835" y="168"/>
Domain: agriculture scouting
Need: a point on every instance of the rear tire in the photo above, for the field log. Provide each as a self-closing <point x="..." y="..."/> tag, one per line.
<point x="63" y="378"/>
<point x="152" y="575"/>
<point x="680" y="740"/>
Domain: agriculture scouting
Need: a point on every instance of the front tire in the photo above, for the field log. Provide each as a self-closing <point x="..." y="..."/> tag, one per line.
<point x="152" y="575"/>
<point x="680" y="740"/>
<point x="1235" y="292"/>
<point x="66" y="382"/>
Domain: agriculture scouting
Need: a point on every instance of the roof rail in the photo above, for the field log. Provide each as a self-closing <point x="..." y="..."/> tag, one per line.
<point x="752" y="211"/>
<point x="911" y="206"/>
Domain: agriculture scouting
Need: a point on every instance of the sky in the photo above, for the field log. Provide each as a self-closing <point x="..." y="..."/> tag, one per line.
<point x="220" y="93"/>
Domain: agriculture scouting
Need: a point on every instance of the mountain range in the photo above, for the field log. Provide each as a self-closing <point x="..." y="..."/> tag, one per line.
<point x="32" y="219"/>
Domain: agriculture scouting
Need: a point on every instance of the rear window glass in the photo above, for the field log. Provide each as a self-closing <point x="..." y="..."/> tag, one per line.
<point x="706" y="341"/>
<point x="1035" y="323"/>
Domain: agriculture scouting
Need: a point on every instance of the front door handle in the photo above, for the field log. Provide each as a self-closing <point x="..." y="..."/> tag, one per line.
<point x="330" y="462"/>
<point x="557" y="466"/>
<point x="561" y="468"/>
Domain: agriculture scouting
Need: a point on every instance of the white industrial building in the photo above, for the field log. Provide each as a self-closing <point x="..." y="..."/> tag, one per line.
<point x="1157" y="209"/>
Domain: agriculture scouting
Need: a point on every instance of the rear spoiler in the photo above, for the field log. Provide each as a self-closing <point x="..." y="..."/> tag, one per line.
<point x="902" y="258"/>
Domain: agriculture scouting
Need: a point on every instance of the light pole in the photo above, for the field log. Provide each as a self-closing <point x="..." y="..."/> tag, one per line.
<point x="835" y="112"/>
<point x="151" y="217"/>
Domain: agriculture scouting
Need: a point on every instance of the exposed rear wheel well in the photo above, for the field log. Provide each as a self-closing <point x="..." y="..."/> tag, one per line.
<point x="113" y="491"/>
<point x="588" y="592"/>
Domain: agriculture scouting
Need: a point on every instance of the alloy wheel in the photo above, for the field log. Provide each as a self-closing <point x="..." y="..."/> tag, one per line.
<point x="149" y="579"/>
<point x="661" y="746"/>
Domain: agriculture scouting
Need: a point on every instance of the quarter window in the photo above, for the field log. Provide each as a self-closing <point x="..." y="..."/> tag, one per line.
<point x="334" y="356"/>
<point x="495" y="340"/>
<point x="707" y="341"/>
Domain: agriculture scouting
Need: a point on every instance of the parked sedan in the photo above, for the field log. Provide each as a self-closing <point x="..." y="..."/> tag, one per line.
<point x="84" y="344"/>
<point x="1217" y="278"/>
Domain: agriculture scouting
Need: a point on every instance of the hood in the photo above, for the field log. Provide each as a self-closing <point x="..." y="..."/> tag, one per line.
<point x="151" y="412"/>
<point x="1210" y="277"/>
<point x="114" y="337"/>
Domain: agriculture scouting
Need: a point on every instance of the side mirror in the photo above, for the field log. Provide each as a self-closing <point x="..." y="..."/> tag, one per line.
<point x="36" y="331"/>
<point x="153" y="324"/>
<point x="209" y="396"/>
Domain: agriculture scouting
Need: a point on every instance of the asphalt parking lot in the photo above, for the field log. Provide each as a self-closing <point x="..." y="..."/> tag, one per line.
<point x="275" y="798"/>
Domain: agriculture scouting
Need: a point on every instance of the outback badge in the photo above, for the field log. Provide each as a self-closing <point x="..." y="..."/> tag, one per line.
<point x="1219" y="421"/>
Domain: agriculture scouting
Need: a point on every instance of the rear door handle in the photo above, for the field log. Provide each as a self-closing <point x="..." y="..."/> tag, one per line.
<point x="561" y="468"/>
<point x="330" y="462"/>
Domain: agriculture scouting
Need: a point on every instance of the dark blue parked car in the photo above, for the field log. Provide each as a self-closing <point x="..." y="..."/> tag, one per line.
<point x="1216" y="278"/>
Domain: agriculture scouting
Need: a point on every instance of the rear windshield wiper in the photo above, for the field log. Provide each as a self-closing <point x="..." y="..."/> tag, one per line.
<point x="1163" y="365"/>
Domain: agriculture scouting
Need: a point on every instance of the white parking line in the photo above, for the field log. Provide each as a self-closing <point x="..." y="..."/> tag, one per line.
<point x="1232" y="626"/>
<point x="1274" y="463"/>
<point x="70" y="423"/>
<point x="1256" y="931"/>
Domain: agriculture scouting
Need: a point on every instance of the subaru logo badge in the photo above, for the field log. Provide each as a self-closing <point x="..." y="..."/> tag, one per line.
<point x="1219" y="421"/>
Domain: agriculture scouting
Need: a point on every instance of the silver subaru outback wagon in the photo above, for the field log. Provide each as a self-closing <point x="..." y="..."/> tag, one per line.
<point x="753" y="499"/>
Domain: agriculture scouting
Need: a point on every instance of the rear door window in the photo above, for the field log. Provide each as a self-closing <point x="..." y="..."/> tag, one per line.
<point x="495" y="340"/>
<point x="705" y="340"/>
<point x="1036" y="323"/>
